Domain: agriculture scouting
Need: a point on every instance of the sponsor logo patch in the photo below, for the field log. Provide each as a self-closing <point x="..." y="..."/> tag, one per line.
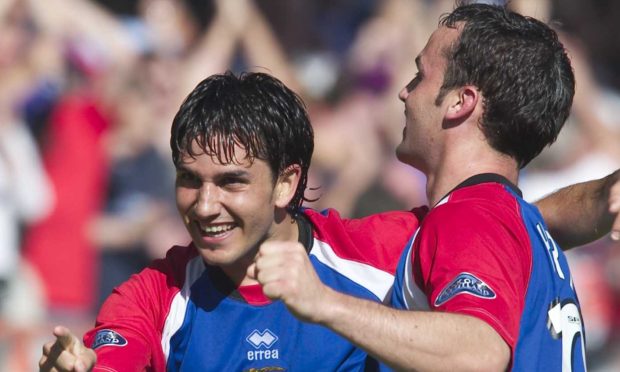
<point x="465" y="283"/>
<point x="108" y="337"/>
<point x="265" y="338"/>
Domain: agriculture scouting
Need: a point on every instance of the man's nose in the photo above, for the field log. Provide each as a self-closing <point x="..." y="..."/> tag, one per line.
<point x="403" y="94"/>
<point x="208" y="203"/>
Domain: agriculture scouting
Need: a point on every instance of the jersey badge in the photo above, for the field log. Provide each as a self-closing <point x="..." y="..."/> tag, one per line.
<point x="465" y="283"/>
<point x="108" y="337"/>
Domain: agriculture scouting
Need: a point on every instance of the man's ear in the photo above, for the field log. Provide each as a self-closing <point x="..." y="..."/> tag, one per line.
<point x="463" y="103"/>
<point x="286" y="185"/>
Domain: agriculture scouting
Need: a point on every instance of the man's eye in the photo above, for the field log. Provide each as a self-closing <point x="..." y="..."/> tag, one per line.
<point x="232" y="181"/>
<point x="185" y="178"/>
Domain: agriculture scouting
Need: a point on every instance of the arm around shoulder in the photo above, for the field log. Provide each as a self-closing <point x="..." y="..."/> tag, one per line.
<point x="584" y="212"/>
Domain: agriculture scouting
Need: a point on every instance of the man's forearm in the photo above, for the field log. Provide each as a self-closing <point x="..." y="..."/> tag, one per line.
<point x="404" y="340"/>
<point x="415" y="340"/>
<point x="580" y="213"/>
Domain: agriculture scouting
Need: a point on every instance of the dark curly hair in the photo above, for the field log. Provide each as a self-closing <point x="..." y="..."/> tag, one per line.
<point x="522" y="70"/>
<point x="254" y="111"/>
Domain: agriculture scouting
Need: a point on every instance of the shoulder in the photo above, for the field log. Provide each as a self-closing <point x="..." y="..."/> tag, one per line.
<point x="395" y="225"/>
<point x="377" y="240"/>
<point x="153" y="287"/>
<point x="476" y="206"/>
<point x="479" y="219"/>
<point x="386" y="223"/>
<point x="174" y="264"/>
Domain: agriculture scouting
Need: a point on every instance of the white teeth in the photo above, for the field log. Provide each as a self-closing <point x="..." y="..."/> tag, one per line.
<point x="217" y="229"/>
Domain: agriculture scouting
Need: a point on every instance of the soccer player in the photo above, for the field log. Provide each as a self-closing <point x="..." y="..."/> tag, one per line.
<point x="493" y="88"/>
<point x="242" y="147"/>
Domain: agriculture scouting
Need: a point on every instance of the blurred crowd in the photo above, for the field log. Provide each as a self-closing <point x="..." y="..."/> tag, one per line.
<point x="88" y="90"/>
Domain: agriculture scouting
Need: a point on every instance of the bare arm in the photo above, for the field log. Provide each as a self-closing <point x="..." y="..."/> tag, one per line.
<point x="583" y="212"/>
<point x="405" y="340"/>
<point x="415" y="340"/>
<point x="262" y="47"/>
<point x="214" y="50"/>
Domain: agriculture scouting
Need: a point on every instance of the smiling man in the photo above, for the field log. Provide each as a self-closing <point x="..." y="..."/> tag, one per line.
<point x="242" y="147"/>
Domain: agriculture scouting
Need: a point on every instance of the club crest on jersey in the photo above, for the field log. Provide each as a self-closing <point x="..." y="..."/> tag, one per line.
<point x="465" y="283"/>
<point x="108" y="337"/>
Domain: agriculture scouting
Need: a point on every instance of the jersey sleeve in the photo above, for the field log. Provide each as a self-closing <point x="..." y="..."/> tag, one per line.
<point x="127" y="333"/>
<point x="475" y="259"/>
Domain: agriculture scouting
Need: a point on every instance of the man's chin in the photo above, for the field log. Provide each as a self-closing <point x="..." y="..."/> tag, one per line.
<point x="218" y="260"/>
<point x="406" y="157"/>
<point x="402" y="155"/>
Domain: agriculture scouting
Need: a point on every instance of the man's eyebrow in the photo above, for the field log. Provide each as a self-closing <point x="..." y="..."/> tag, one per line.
<point x="235" y="173"/>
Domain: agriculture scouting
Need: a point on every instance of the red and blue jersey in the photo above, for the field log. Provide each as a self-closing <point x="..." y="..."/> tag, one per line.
<point x="183" y="315"/>
<point x="485" y="252"/>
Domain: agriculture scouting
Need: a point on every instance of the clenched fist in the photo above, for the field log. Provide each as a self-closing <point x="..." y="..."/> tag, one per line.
<point x="285" y="272"/>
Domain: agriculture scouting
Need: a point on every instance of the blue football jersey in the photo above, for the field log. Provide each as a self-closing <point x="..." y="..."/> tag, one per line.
<point x="485" y="252"/>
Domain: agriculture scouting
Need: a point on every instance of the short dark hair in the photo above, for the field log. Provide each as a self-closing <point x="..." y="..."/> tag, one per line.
<point x="253" y="110"/>
<point x="522" y="70"/>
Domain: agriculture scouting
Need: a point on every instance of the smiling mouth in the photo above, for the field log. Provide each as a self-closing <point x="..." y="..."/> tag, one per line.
<point x="216" y="230"/>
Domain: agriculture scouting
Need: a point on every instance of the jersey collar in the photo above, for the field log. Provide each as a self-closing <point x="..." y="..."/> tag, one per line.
<point x="483" y="178"/>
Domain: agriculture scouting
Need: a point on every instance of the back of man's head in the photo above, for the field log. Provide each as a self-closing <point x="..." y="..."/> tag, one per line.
<point x="254" y="111"/>
<point x="522" y="71"/>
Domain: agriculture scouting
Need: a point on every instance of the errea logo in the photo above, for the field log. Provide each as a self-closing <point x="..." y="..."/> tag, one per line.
<point x="265" y="338"/>
<point x="262" y="342"/>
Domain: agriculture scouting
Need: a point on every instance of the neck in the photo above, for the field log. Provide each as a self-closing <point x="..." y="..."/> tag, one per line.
<point x="456" y="167"/>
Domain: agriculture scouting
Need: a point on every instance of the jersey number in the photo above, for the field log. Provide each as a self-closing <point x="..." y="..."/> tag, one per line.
<point x="565" y="322"/>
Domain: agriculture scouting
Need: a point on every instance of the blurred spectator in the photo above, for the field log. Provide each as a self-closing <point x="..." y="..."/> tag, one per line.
<point x="58" y="246"/>
<point x="138" y="222"/>
<point x="25" y="192"/>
